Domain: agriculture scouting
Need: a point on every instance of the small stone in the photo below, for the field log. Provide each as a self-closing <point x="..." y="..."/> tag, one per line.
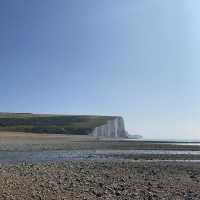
<point x="117" y="193"/>
<point x="101" y="184"/>
<point x="98" y="194"/>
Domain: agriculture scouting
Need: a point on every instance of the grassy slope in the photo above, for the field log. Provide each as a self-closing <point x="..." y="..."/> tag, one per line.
<point x="66" y="124"/>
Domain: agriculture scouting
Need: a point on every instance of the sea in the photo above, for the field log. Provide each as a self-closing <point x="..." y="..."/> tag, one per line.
<point x="12" y="157"/>
<point x="162" y="141"/>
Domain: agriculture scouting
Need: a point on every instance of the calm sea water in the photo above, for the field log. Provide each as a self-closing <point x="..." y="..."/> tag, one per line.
<point x="44" y="156"/>
<point x="163" y="141"/>
<point x="63" y="155"/>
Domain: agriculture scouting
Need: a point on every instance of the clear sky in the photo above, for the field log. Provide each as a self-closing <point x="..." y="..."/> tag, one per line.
<point x="135" y="58"/>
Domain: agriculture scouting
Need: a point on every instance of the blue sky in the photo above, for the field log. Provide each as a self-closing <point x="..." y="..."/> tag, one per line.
<point x="135" y="58"/>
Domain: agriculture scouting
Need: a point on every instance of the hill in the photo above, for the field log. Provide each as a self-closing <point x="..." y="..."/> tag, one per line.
<point x="62" y="124"/>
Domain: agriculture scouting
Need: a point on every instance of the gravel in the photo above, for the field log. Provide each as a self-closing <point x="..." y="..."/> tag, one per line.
<point x="89" y="180"/>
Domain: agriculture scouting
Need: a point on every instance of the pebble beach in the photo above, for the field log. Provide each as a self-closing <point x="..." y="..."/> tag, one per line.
<point x="108" y="173"/>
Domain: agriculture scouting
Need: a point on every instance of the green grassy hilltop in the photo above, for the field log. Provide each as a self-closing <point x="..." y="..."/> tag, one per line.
<point x="62" y="124"/>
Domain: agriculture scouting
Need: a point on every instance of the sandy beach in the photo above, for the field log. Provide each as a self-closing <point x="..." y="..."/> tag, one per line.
<point x="17" y="141"/>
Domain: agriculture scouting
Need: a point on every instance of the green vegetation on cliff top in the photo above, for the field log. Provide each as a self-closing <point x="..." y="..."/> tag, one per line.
<point x="62" y="124"/>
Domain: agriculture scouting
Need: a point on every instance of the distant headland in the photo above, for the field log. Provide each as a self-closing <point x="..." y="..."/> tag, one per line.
<point x="98" y="126"/>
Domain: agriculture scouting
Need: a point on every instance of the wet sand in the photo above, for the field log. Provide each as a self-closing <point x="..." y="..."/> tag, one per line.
<point x="12" y="141"/>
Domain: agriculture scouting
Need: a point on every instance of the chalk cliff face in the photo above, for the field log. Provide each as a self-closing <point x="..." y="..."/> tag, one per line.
<point x="112" y="129"/>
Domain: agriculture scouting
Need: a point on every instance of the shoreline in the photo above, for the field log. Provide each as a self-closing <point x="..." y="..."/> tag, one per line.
<point x="15" y="141"/>
<point x="11" y="157"/>
<point x="30" y="147"/>
<point x="57" y="167"/>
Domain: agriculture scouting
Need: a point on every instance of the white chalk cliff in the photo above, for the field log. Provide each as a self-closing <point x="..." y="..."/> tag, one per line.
<point x="114" y="128"/>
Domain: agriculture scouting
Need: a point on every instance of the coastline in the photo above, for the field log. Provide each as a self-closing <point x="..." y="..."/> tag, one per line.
<point x="17" y="141"/>
<point x="62" y="167"/>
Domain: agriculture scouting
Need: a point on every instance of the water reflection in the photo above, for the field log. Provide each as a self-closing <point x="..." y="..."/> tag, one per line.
<point x="15" y="157"/>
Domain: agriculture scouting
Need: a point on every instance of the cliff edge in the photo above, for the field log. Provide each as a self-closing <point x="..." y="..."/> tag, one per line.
<point x="99" y="126"/>
<point x="113" y="128"/>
